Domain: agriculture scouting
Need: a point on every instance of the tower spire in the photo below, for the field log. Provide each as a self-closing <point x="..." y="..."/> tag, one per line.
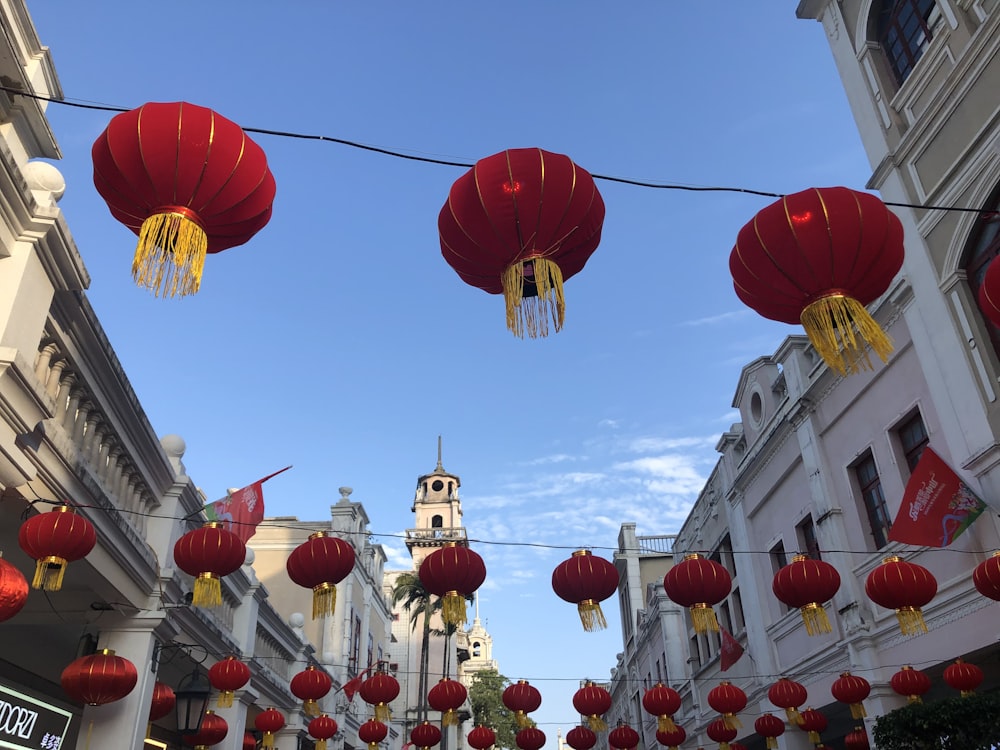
<point x="439" y="467"/>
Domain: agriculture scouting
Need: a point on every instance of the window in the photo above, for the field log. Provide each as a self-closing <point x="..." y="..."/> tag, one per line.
<point x="778" y="557"/>
<point x="874" y="499"/>
<point x="355" y="644"/>
<point x="904" y="31"/>
<point x="739" y="621"/>
<point x="371" y="650"/>
<point x="695" y="657"/>
<point x="476" y="649"/>
<point x="984" y="246"/>
<point x="808" y="542"/>
<point x="437" y="522"/>
<point x="912" y="439"/>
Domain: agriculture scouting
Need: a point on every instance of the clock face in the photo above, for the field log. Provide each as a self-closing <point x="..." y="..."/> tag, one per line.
<point x="437" y="485"/>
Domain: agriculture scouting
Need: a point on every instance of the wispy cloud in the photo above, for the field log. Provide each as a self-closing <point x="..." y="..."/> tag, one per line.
<point x="713" y="319"/>
<point x="556" y="458"/>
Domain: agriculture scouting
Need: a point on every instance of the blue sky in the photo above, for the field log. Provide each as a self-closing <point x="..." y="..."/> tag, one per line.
<point x="339" y="341"/>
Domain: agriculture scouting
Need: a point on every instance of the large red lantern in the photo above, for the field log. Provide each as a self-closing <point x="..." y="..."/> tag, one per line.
<point x="593" y="701"/>
<point x="806" y="584"/>
<point x="910" y="682"/>
<point x="99" y="678"/>
<point x="54" y="540"/>
<point x="986" y="576"/>
<point x="424" y="736"/>
<point x="530" y="738"/>
<point x="227" y="676"/>
<point x="320" y="563"/>
<point x="963" y="676"/>
<point x="905" y="587"/>
<point x="522" y="699"/>
<point x="208" y="554"/>
<point x="163" y="701"/>
<point x="857" y="740"/>
<point x="322" y="728"/>
<point x="373" y="732"/>
<point x="453" y="573"/>
<point x="520" y="223"/>
<point x="379" y="691"/>
<point x="188" y="182"/>
<point x="671" y="737"/>
<point x="581" y="738"/>
<point x="586" y="580"/>
<point x="447" y="696"/>
<point x="269" y="722"/>
<point x="482" y="738"/>
<point x="623" y="737"/>
<point x="728" y="700"/>
<point x="851" y="689"/>
<point x="813" y="722"/>
<point x="770" y="727"/>
<point x="213" y="730"/>
<point x="698" y="583"/>
<point x="13" y="590"/>
<point x="662" y="702"/>
<point x="789" y="695"/>
<point x="719" y="731"/>
<point x="817" y="258"/>
<point x="250" y="742"/>
<point x="309" y="686"/>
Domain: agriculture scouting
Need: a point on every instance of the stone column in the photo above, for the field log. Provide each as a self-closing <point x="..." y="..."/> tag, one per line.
<point x="236" y="718"/>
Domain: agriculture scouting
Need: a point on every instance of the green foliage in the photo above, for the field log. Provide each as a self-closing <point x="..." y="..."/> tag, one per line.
<point x="970" y="723"/>
<point x="486" y="697"/>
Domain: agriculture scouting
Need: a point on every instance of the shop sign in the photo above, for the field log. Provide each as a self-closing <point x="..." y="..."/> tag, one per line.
<point x="27" y="723"/>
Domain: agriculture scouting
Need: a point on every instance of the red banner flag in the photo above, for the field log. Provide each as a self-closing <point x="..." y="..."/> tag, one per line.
<point x="241" y="510"/>
<point x="937" y="505"/>
<point x="731" y="650"/>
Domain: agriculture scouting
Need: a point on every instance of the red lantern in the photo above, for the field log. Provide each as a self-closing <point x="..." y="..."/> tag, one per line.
<point x="269" y="722"/>
<point x="520" y="223"/>
<point x="963" y="676"/>
<point x="425" y="735"/>
<point x="698" y="583"/>
<point x="522" y="699"/>
<point x="54" y="540"/>
<point x="904" y="587"/>
<point x="818" y="257"/>
<point x="372" y="732"/>
<point x="250" y="742"/>
<point x="671" y="737"/>
<point x="910" y="682"/>
<point x="447" y="696"/>
<point x="806" y="584"/>
<point x="623" y="737"/>
<point x="581" y="738"/>
<point x="586" y="580"/>
<point x="322" y="728"/>
<point x="662" y="702"/>
<point x="453" y="573"/>
<point x="789" y="695"/>
<point x="530" y="738"/>
<point x="482" y="738"/>
<point x="856" y="740"/>
<point x="851" y="689"/>
<point x="188" y="182"/>
<point x="311" y="685"/>
<point x="593" y="701"/>
<point x="770" y="727"/>
<point x="99" y="678"/>
<point x="380" y="690"/>
<point x="227" y="676"/>
<point x="986" y="576"/>
<point x="320" y="563"/>
<point x="13" y="590"/>
<point x="989" y="294"/>
<point x="728" y="700"/>
<point x="213" y="731"/>
<point x="163" y="701"/>
<point x="719" y="731"/>
<point x="813" y="722"/>
<point x="208" y="554"/>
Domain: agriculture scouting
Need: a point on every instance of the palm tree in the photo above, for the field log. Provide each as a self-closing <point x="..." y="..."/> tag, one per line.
<point x="416" y="600"/>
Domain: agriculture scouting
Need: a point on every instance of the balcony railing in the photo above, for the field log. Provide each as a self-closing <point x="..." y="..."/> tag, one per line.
<point x="435" y="537"/>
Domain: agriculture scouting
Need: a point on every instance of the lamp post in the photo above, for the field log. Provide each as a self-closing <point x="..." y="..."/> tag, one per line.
<point x="192" y="702"/>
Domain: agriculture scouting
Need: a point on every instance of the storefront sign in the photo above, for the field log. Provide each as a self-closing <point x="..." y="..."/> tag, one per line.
<point x="27" y="723"/>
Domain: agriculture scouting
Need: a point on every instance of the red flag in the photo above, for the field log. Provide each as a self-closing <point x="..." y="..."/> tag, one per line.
<point x="352" y="686"/>
<point x="937" y="505"/>
<point x="731" y="650"/>
<point x="243" y="509"/>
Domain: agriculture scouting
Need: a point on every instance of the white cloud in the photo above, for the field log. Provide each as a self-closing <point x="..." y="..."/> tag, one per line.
<point x="713" y="319"/>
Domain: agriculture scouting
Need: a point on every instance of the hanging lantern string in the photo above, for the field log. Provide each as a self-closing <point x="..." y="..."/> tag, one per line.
<point x="79" y="104"/>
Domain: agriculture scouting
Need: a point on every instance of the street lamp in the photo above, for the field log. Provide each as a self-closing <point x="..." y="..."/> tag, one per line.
<point x="192" y="701"/>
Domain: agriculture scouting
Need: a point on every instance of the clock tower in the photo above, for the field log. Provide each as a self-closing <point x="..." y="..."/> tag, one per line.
<point x="438" y="513"/>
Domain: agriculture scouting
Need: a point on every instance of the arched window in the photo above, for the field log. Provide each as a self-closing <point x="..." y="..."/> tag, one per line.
<point x="904" y="31"/>
<point x="476" y="649"/>
<point x="984" y="246"/>
<point x="437" y="522"/>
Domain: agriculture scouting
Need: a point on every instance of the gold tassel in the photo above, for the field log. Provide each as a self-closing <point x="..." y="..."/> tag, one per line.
<point x="913" y="699"/>
<point x="723" y="746"/>
<point x="320" y="745"/>
<point x="372" y="746"/>
<point x="449" y="718"/>
<point x="591" y="615"/>
<point x="382" y="713"/>
<point x="911" y="621"/>
<point x="207" y="591"/>
<point x="268" y="740"/>
<point x="596" y="723"/>
<point x="324" y="600"/>
<point x="703" y="618"/>
<point x="225" y="699"/>
<point x="794" y="717"/>
<point x="453" y="608"/>
<point x="522" y="720"/>
<point x="771" y="743"/>
<point x="49" y="573"/>
<point x="170" y="256"/>
<point x="839" y="327"/>
<point x="815" y="619"/>
<point x="731" y="721"/>
<point x="311" y="708"/>
<point x="814" y="737"/>
<point x="858" y="711"/>
<point x="530" y="313"/>
<point x="665" y="724"/>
